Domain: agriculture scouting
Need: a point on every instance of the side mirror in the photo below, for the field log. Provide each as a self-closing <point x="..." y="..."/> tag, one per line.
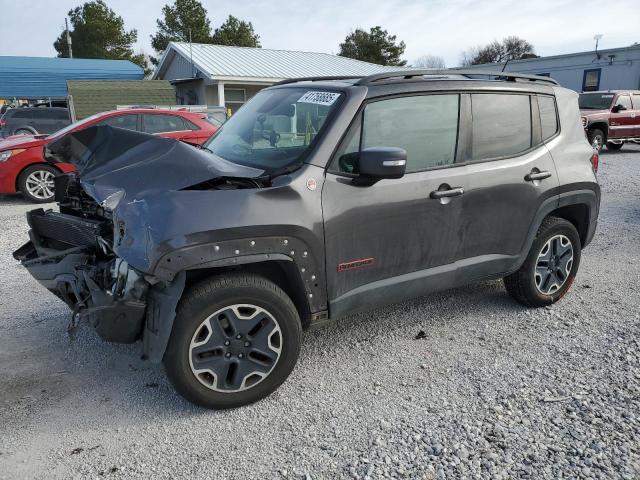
<point x="377" y="163"/>
<point x="618" y="108"/>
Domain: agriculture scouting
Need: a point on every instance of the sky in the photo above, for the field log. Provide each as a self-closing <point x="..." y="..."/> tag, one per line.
<point x="435" y="27"/>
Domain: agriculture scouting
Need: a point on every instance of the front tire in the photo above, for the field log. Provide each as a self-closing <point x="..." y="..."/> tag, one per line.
<point x="235" y="339"/>
<point x="550" y="267"/>
<point x="596" y="138"/>
<point x="36" y="183"/>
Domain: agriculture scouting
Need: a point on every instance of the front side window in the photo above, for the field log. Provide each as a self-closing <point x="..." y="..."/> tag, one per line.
<point x="595" y="101"/>
<point x="128" y="121"/>
<point x="158" y="123"/>
<point x="425" y="126"/>
<point x="501" y="125"/>
<point x="625" y="101"/>
<point x="548" y="116"/>
<point x="275" y="128"/>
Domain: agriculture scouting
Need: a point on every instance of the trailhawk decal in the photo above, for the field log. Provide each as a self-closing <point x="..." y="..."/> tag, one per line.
<point x="352" y="265"/>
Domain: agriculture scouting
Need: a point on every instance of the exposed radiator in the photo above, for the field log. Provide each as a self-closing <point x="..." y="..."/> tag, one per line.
<point x="65" y="228"/>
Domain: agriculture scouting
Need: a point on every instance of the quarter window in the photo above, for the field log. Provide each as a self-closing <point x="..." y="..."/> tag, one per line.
<point x="501" y="125"/>
<point x="548" y="116"/>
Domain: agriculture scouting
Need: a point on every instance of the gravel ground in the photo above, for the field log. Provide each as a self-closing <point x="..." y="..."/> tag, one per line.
<point x="492" y="389"/>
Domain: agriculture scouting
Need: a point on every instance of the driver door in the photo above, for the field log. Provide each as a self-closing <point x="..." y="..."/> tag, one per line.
<point x="390" y="241"/>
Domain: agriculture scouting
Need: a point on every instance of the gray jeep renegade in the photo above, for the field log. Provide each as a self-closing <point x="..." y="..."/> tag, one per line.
<point x="319" y="198"/>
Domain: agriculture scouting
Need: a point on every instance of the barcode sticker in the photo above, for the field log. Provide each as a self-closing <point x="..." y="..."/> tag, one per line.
<point x="319" y="98"/>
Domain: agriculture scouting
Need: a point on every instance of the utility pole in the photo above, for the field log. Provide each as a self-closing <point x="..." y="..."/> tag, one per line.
<point x="66" y="25"/>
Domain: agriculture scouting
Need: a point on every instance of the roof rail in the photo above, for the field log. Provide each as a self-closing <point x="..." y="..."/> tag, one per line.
<point x="407" y="74"/>
<point x="317" y="79"/>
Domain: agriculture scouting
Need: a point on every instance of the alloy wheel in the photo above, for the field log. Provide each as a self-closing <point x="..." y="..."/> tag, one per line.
<point x="554" y="264"/>
<point x="40" y="184"/>
<point x="235" y="348"/>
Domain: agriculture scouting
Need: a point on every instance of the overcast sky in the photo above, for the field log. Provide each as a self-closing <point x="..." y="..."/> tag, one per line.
<point x="437" y="27"/>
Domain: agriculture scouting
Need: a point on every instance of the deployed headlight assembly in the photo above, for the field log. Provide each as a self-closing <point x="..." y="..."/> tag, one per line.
<point x="7" y="154"/>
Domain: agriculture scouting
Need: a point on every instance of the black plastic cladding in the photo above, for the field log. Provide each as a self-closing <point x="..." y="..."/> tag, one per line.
<point x="243" y="251"/>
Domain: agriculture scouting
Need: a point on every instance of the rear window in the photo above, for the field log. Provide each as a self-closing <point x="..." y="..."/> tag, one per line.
<point x="501" y="125"/>
<point x="548" y="116"/>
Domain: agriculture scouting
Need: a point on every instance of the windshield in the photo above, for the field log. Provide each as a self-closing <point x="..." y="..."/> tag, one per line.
<point x="595" y="101"/>
<point x="73" y="126"/>
<point x="275" y="128"/>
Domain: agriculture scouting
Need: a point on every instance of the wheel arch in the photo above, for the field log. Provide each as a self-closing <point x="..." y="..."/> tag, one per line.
<point x="19" y="175"/>
<point x="600" y="125"/>
<point x="578" y="214"/>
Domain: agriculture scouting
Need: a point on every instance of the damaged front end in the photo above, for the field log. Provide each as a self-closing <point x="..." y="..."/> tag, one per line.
<point x="96" y="253"/>
<point x="70" y="253"/>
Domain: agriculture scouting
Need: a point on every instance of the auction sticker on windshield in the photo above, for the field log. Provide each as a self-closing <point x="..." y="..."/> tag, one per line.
<point x="319" y="98"/>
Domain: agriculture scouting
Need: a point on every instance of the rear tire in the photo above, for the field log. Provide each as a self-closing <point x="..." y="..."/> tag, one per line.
<point x="235" y="339"/>
<point x="596" y="138"/>
<point x="550" y="267"/>
<point x="614" y="146"/>
<point x="23" y="131"/>
<point x="36" y="183"/>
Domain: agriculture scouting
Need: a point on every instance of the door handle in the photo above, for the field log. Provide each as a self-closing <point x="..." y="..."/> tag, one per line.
<point x="454" y="192"/>
<point x="530" y="177"/>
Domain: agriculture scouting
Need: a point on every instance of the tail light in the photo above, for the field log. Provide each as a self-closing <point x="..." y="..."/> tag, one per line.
<point x="595" y="158"/>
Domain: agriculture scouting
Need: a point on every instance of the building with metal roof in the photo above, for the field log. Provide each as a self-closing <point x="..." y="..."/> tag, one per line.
<point x="41" y="78"/>
<point x="228" y="76"/>
<point x="611" y="69"/>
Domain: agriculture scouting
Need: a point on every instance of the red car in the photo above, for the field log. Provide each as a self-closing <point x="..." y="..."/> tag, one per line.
<point x="24" y="169"/>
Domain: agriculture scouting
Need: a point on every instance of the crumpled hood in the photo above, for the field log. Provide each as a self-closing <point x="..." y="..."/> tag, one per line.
<point x="135" y="165"/>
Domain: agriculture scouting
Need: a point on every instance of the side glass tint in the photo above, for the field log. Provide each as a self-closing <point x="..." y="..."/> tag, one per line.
<point x="501" y="125"/>
<point x="426" y="126"/>
<point x="548" y="116"/>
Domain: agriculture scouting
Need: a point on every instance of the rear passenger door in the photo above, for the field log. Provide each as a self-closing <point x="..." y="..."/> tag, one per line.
<point x="510" y="173"/>
<point x="128" y="121"/>
<point x="171" y="126"/>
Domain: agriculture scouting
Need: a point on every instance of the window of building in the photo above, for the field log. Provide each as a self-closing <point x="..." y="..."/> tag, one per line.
<point x="162" y="123"/>
<point x="128" y="121"/>
<point x="501" y="125"/>
<point x="548" y="116"/>
<point x="591" y="80"/>
<point x="234" y="98"/>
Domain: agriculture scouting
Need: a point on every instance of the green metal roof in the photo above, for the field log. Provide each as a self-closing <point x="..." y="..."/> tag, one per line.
<point x="93" y="96"/>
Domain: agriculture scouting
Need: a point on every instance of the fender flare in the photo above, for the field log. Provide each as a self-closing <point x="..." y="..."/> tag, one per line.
<point x="588" y="197"/>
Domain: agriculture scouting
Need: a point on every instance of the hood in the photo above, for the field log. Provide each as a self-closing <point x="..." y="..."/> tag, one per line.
<point x="588" y="112"/>
<point x="21" y="141"/>
<point x="117" y="163"/>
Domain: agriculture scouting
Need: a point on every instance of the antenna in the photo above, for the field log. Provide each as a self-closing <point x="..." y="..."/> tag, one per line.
<point x="191" y="54"/>
<point x="597" y="38"/>
<point x="66" y="25"/>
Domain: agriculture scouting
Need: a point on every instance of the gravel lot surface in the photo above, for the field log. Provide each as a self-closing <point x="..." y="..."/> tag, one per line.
<point x="492" y="389"/>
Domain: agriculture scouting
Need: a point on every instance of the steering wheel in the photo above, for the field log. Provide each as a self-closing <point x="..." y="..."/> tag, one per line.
<point x="241" y="148"/>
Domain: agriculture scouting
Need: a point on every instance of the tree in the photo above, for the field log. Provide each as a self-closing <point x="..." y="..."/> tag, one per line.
<point x="430" y="61"/>
<point x="510" y="48"/>
<point x="236" y="33"/>
<point x="97" y="32"/>
<point x="375" y="46"/>
<point x="183" y="21"/>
